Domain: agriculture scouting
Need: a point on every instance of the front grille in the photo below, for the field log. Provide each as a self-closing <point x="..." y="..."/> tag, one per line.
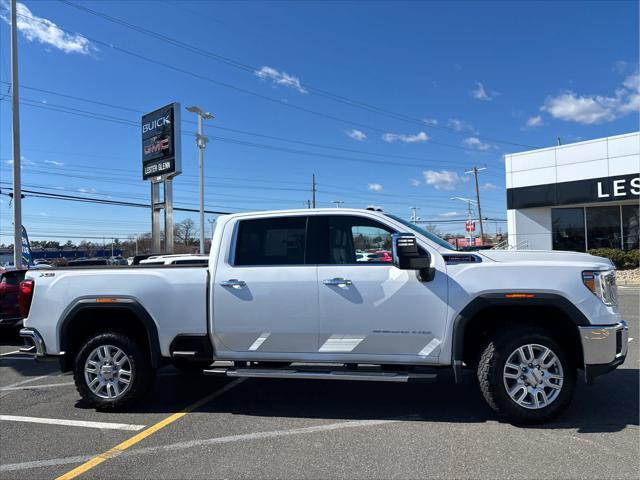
<point x="619" y="341"/>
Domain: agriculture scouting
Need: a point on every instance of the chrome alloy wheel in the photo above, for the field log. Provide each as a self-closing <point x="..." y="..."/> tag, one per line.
<point x="108" y="372"/>
<point x="533" y="376"/>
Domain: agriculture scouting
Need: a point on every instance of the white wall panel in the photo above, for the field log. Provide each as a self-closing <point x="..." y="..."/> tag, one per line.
<point x="626" y="165"/>
<point x="582" y="171"/>
<point x="534" y="226"/>
<point x="581" y="152"/>
<point x="624" y="145"/>
<point x="507" y="163"/>
<point x="539" y="176"/>
<point x="535" y="159"/>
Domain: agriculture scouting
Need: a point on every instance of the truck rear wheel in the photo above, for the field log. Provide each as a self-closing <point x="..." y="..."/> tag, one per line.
<point x="525" y="375"/>
<point x="111" y="371"/>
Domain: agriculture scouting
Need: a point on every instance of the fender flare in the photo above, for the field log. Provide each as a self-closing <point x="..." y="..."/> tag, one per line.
<point x="495" y="299"/>
<point x="119" y="304"/>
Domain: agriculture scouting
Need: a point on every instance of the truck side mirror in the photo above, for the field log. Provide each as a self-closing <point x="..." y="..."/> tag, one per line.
<point x="407" y="256"/>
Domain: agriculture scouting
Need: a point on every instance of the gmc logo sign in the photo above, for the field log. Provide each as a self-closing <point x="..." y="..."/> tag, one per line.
<point x="156" y="147"/>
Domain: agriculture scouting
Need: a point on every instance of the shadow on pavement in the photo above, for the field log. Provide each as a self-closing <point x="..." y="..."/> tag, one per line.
<point x="610" y="405"/>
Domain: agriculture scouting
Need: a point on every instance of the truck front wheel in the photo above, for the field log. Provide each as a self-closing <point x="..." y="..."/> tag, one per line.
<point x="111" y="371"/>
<point x="525" y="375"/>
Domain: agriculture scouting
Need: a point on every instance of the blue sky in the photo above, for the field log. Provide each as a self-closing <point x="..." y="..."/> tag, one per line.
<point x="460" y="83"/>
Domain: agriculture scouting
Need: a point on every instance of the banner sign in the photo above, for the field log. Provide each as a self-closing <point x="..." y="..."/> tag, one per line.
<point x="592" y="190"/>
<point x="27" y="259"/>
<point x="161" y="142"/>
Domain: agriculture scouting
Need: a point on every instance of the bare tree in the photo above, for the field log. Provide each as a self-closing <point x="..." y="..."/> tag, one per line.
<point x="184" y="232"/>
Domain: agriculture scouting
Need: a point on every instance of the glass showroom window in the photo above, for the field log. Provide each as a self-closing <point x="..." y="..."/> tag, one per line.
<point x="630" y="232"/>
<point x="568" y="229"/>
<point x="603" y="227"/>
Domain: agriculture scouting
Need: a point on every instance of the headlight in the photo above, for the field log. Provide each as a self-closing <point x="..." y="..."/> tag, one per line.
<point x="603" y="285"/>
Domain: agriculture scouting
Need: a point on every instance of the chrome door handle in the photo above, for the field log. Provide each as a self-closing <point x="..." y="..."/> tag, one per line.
<point x="340" y="282"/>
<point x="234" y="283"/>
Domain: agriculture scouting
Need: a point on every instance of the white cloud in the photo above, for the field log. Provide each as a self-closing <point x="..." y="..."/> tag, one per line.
<point x="280" y="78"/>
<point x="594" y="109"/>
<point x="87" y="190"/>
<point x="620" y="66"/>
<point x="417" y="138"/>
<point x="430" y="121"/>
<point x="475" y="143"/>
<point x="488" y="186"/>
<point x="442" y="180"/>
<point x="448" y="214"/>
<point x="414" y="182"/>
<point x="48" y="33"/>
<point x="479" y="93"/>
<point x="357" y="135"/>
<point x="461" y="126"/>
<point x="53" y="162"/>
<point x="375" y="187"/>
<point x="535" y="121"/>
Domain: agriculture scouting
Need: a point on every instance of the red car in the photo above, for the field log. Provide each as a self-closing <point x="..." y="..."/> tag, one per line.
<point x="9" y="285"/>
<point x="384" y="256"/>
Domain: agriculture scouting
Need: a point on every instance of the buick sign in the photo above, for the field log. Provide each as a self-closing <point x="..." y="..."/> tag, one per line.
<point x="161" y="142"/>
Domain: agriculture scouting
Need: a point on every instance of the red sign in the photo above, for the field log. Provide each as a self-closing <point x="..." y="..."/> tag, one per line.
<point x="471" y="226"/>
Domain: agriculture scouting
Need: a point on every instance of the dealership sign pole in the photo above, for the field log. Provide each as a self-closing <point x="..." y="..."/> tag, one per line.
<point x="161" y="161"/>
<point x="15" y="108"/>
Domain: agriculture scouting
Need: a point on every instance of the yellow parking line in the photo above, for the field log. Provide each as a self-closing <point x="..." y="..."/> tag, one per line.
<point x="118" y="449"/>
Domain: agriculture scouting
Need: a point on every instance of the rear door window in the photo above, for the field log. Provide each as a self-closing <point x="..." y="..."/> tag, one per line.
<point x="271" y="241"/>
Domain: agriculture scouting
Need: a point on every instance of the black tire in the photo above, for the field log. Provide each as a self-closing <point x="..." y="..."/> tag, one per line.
<point x="142" y="373"/>
<point x="492" y="384"/>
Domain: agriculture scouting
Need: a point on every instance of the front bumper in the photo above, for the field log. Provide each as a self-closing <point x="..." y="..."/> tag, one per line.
<point x="604" y="348"/>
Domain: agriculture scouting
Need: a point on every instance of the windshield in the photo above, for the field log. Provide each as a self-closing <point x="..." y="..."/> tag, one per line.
<point x="422" y="231"/>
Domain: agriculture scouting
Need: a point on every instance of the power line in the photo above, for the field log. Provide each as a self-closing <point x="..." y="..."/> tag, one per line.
<point x="84" y="113"/>
<point x="36" y="103"/>
<point x="81" y="199"/>
<point x="252" y="69"/>
<point x="238" y="89"/>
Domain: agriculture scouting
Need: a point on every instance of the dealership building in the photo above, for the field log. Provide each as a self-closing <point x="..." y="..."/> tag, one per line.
<point x="575" y="197"/>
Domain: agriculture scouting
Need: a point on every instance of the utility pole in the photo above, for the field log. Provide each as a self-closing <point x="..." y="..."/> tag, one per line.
<point x="201" y="141"/>
<point x="337" y="202"/>
<point x="15" y="108"/>
<point x="313" y="191"/>
<point x="475" y="171"/>
<point x="414" y="214"/>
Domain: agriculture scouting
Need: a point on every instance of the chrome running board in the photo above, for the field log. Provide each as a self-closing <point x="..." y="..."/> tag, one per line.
<point x="313" y="374"/>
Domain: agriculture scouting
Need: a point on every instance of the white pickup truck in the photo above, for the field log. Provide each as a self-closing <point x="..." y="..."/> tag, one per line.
<point x="287" y="295"/>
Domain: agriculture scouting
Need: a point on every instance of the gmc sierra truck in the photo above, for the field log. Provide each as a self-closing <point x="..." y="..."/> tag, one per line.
<point x="285" y="295"/>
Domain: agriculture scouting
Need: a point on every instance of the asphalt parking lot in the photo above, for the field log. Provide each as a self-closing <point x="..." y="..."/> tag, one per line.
<point x="312" y="429"/>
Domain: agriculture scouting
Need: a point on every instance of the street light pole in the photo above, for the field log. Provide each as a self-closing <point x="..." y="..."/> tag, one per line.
<point x="469" y="202"/>
<point x="201" y="142"/>
<point x="15" y="108"/>
<point x="475" y="171"/>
